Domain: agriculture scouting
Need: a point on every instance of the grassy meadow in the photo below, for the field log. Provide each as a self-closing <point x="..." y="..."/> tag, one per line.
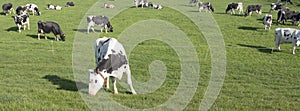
<point x="42" y="74"/>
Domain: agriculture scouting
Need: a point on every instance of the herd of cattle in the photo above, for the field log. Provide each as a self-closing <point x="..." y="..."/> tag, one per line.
<point x="282" y="35"/>
<point x="22" y="18"/>
<point x="110" y="55"/>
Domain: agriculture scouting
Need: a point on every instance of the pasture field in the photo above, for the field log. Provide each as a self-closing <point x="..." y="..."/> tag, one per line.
<point x="39" y="74"/>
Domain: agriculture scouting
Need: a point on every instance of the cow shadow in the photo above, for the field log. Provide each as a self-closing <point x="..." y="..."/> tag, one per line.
<point x="41" y="37"/>
<point x="259" y="48"/>
<point x="248" y="28"/>
<point x="65" y="84"/>
<point x="85" y="30"/>
<point x="12" y="29"/>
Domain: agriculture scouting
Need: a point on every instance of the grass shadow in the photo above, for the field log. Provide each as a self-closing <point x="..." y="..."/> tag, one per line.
<point x="41" y="37"/>
<point x="64" y="84"/>
<point x="259" y="48"/>
<point x="247" y="28"/>
<point x="12" y="29"/>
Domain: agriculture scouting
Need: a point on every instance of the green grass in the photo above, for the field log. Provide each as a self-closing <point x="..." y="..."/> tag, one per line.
<point x="38" y="74"/>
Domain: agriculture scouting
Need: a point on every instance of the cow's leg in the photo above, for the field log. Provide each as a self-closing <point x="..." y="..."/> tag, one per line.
<point x="28" y="24"/>
<point x="105" y="28"/>
<point x="24" y="26"/>
<point x="19" y="28"/>
<point x="45" y="36"/>
<point x="107" y="82"/>
<point x="294" y="45"/>
<point x="277" y="44"/>
<point x="232" y="10"/>
<point x="129" y="81"/>
<point x="114" y="81"/>
<point x="88" y="29"/>
<point x="38" y="36"/>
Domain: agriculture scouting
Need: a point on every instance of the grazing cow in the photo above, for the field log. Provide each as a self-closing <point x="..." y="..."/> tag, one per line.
<point x="139" y="2"/>
<point x="267" y="21"/>
<point x="111" y="63"/>
<point x="52" y="7"/>
<point x="285" y="14"/>
<point x="276" y="6"/>
<point x="235" y="6"/>
<point x="157" y="6"/>
<point x="70" y="4"/>
<point x="205" y="6"/>
<point x="109" y="5"/>
<point x="251" y="8"/>
<point x="7" y="8"/>
<point x="33" y="8"/>
<point x="21" y="10"/>
<point x="48" y="27"/>
<point x="287" y="35"/>
<point x="296" y="19"/>
<point x="102" y="21"/>
<point x="22" y="20"/>
<point x="290" y="1"/>
<point x="193" y="2"/>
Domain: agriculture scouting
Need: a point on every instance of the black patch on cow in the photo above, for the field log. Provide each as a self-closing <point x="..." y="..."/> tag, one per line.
<point x="114" y="62"/>
<point x="113" y="51"/>
<point x="6" y="7"/>
<point x="48" y="27"/>
<point x="231" y="7"/>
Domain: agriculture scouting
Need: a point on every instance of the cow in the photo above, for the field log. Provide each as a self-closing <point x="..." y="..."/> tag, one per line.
<point x="109" y="5"/>
<point x="22" y="20"/>
<point x="276" y="6"/>
<point x="101" y="20"/>
<point x="296" y="18"/>
<point x="33" y="8"/>
<point x="267" y="21"/>
<point x="48" y="27"/>
<point x="139" y="2"/>
<point x="53" y="7"/>
<point x="251" y="8"/>
<point x="7" y="8"/>
<point x="70" y="4"/>
<point x="234" y="6"/>
<point x="287" y="35"/>
<point x="290" y="1"/>
<point x="111" y="63"/>
<point x="193" y="2"/>
<point x="207" y="6"/>
<point x="286" y="14"/>
<point x="157" y="6"/>
<point x="21" y="10"/>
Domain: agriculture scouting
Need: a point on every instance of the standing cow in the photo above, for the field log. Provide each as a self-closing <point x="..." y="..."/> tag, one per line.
<point x="33" y="8"/>
<point x="102" y="21"/>
<point x="111" y="62"/>
<point x="234" y="6"/>
<point x="276" y="6"/>
<point x="267" y="21"/>
<point x="207" y="6"/>
<point x="139" y="2"/>
<point x="48" y="27"/>
<point x="287" y="35"/>
<point x="22" y="20"/>
<point x="7" y="8"/>
<point x="253" y="8"/>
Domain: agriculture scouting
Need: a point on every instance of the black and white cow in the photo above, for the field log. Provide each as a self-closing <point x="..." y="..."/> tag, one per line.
<point x="193" y="2"/>
<point x="21" y="10"/>
<point x="234" y="6"/>
<point x="111" y="63"/>
<point x="267" y="21"/>
<point x="276" y="6"/>
<point x="109" y="5"/>
<point x="22" y="20"/>
<point x="207" y="6"/>
<point x="252" y="8"/>
<point x="7" y="8"/>
<point x="287" y="35"/>
<point x="70" y="4"/>
<point x="155" y="6"/>
<point x="53" y="7"/>
<point x="296" y="19"/>
<point x="33" y="8"/>
<point x="48" y="27"/>
<point x="286" y="14"/>
<point x="290" y="1"/>
<point x="102" y="21"/>
<point x="139" y="2"/>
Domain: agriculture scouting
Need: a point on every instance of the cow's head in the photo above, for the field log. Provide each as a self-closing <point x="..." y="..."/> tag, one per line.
<point x="17" y="19"/>
<point x="63" y="37"/>
<point x="96" y="81"/>
<point x="110" y="27"/>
